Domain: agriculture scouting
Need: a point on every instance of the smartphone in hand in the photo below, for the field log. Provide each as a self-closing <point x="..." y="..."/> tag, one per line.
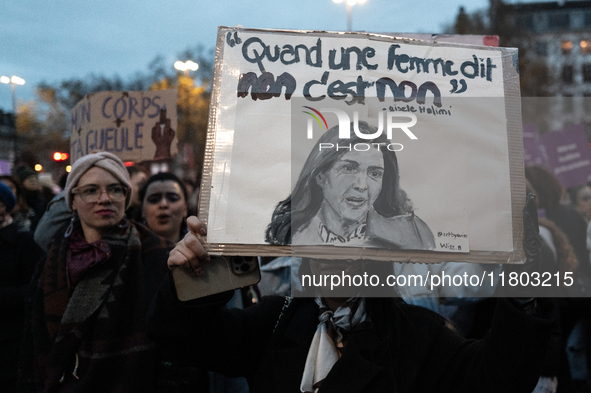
<point x="222" y="274"/>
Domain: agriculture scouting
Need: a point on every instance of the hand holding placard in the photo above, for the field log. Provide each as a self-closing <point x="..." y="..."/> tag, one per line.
<point x="199" y="274"/>
<point x="190" y="253"/>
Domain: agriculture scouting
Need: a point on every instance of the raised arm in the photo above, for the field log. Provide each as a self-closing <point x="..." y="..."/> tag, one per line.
<point x="201" y="331"/>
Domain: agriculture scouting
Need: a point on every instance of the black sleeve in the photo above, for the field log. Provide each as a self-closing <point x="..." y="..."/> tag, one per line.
<point x="27" y="254"/>
<point x="508" y="359"/>
<point x="203" y="333"/>
<point x="57" y="217"/>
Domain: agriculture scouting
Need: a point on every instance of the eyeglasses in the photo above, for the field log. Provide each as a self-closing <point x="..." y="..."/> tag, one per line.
<point x="92" y="193"/>
<point x="171" y="197"/>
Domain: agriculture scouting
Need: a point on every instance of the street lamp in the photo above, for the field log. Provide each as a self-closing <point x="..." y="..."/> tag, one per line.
<point x="350" y="4"/>
<point x="15" y="80"/>
<point x="186" y="66"/>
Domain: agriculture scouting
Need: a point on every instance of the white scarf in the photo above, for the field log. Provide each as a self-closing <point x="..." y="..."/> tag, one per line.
<point x="323" y="353"/>
<point x="7" y="221"/>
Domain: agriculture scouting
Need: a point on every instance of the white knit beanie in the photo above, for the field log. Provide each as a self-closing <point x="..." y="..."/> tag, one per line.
<point x="105" y="160"/>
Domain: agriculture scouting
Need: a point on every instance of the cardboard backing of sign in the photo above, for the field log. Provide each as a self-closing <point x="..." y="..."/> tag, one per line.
<point x="134" y="125"/>
<point x="463" y="173"/>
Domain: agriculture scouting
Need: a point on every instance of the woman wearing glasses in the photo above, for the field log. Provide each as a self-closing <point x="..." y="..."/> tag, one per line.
<point x="85" y="329"/>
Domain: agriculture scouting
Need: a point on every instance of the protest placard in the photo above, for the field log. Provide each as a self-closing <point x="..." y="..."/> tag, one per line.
<point x="469" y="39"/>
<point x="134" y="125"/>
<point x="568" y="155"/>
<point x="450" y="116"/>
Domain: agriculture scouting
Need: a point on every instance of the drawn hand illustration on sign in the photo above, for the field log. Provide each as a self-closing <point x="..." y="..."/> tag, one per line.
<point x="162" y="135"/>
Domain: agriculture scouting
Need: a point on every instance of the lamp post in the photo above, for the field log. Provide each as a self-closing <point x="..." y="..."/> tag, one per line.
<point x="15" y="80"/>
<point x="350" y="4"/>
<point x="186" y="66"/>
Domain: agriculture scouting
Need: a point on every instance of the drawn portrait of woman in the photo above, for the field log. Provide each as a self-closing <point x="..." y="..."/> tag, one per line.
<point x="349" y="194"/>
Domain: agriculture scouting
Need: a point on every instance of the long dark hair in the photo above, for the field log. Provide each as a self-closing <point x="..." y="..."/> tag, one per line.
<point x="548" y="188"/>
<point x="302" y="205"/>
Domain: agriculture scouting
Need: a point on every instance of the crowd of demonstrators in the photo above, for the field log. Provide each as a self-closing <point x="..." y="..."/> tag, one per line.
<point x="476" y="317"/>
<point x="550" y="195"/>
<point x="566" y="228"/>
<point x="360" y="344"/>
<point x="22" y="203"/>
<point x="18" y="254"/>
<point x="556" y="255"/>
<point x="107" y="238"/>
<point x="561" y="227"/>
<point x="471" y="308"/>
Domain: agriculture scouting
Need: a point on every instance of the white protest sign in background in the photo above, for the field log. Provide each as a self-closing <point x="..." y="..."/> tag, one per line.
<point x="134" y="125"/>
<point x="456" y="173"/>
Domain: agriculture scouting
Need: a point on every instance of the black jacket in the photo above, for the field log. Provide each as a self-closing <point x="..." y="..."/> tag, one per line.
<point x="18" y="256"/>
<point x="423" y="354"/>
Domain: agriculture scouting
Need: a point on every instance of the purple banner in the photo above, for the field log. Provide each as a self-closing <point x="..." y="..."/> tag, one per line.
<point x="4" y="167"/>
<point x="568" y="155"/>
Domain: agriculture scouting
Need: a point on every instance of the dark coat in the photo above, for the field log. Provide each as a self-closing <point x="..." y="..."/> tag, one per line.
<point x="423" y="355"/>
<point x="101" y="324"/>
<point x="18" y="255"/>
<point x="574" y="227"/>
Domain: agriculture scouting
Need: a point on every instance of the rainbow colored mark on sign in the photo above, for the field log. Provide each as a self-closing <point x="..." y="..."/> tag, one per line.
<point x="315" y="117"/>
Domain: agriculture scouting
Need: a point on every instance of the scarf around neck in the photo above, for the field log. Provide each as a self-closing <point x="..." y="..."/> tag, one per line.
<point x="83" y="255"/>
<point x="323" y="352"/>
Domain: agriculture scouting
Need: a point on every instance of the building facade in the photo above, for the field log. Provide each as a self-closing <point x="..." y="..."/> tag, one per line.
<point x="7" y="141"/>
<point x="559" y="36"/>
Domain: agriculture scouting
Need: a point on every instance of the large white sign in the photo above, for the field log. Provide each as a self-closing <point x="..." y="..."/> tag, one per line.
<point x="447" y="115"/>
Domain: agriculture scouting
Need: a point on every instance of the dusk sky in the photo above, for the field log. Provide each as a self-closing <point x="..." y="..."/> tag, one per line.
<point x="57" y="40"/>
